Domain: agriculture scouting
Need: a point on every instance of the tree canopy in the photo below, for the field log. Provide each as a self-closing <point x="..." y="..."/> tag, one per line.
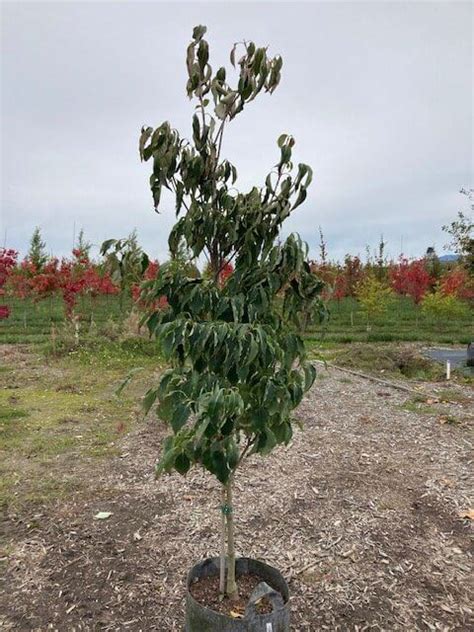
<point x="237" y="362"/>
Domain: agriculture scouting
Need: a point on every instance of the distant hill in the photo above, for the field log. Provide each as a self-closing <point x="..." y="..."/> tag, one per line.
<point x="449" y="258"/>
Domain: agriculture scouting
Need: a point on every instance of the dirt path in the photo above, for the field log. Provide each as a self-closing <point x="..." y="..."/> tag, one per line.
<point x="360" y="513"/>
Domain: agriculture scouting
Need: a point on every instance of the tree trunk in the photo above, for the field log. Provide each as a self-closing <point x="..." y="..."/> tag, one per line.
<point x="223" y="532"/>
<point x="53" y="337"/>
<point x="232" y="591"/>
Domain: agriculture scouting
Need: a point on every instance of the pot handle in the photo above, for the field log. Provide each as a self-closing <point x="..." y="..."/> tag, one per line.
<point x="260" y="591"/>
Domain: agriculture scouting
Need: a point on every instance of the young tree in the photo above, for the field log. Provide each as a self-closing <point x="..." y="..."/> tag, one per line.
<point x="37" y="251"/>
<point x="461" y="232"/>
<point x="457" y="282"/>
<point x="339" y="290"/>
<point x="238" y="365"/>
<point x="410" y="278"/>
<point x="83" y="247"/>
<point x="444" y="308"/>
<point x="381" y="260"/>
<point x="8" y="258"/>
<point x="323" y="249"/>
<point x="126" y="263"/>
<point x="433" y="264"/>
<point x="183" y="259"/>
<point x="353" y="272"/>
<point x="374" y="297"/>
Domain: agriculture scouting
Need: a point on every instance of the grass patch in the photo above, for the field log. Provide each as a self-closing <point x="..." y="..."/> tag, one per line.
<point x="10" y="422"/>
<point x="393" y="361"/>
<point x="8" y="413"/>
<point x="450" y="396"/>
<point x="61" y="412"/>
<point x="419" y="408"/>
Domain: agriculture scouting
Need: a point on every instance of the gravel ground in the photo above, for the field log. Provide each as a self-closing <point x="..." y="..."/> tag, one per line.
<point x="362" y="513"/>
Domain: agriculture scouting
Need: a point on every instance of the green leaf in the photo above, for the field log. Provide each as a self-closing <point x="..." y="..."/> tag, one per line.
<point x="203" y="54"/>
<point x="199" y="31"/>
<point x="149" y="399"/>
<point x="220" y="466"/>
<point x="285" y="154"/>
<point x="166" y="461"/>
<point x="221" y="110"/>
<point x="179" y="417"/>
<point x="201" y="429"/>
<point x="232" y="55"/>
<point x="145" y="262"/>
<point x="128" y="379"/>
<point x="283" y="432"/>
<point x="282" y="140"/>
<point x="182" y="464"/>
<point x="300" y="199"/>
<point x="196" y="129"/>
<point x="106" y="245"/>
<point x="144" y="136"/>
<point x="309" y="376"/>
<point x="232" y="454"/>
<point x="267" y="442"/>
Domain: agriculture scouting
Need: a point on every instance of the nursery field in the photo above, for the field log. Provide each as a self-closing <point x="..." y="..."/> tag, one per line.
<point x="31" y="322"/>
<point x="366" y="512"/>
<point x="403" y="321"/>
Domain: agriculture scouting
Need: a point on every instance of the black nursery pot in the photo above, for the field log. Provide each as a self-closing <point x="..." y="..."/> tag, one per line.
<point x="202" y="619"/>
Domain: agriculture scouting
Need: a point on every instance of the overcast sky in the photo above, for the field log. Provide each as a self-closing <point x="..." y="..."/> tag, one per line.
<point x="378" y="96"/>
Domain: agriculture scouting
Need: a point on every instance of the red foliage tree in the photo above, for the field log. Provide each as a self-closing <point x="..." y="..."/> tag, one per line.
<point x="224" y="273"/>
<point x="410" y="278"/>
<point x="68" y="277"/>
<point x="80" y="276"/>
<point x="20" y="280"/>
<point x="340" y="287"/>
<point x="45" y="282"/>
<point x="8" y="259"/>
<point x="139" y="298"/>
<point x="327" y="273"/>
<point x="459" y="283"/>
<point x="353" y="273"/>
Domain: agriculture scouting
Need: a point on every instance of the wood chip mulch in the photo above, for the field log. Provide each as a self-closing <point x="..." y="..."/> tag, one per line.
<point x="362" y="514"/>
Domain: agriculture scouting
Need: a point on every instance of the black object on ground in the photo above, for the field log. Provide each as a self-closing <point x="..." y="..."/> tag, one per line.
<point x="273" y="586"/>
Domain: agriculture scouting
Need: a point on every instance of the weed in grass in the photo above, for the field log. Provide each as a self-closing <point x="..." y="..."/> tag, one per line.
<point x="450" y="396"/>
<point x="416" y="407"/>
<point x="102" y="451"/>
<point x="68" y="388"/>
<point x="10" y="412"/>
<point x="450" y="420"/>
<point x="453" y="421"/>
<point x="11" y="422"/>
<point x="87" y="408"/>
<point x="50" y="444"/>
